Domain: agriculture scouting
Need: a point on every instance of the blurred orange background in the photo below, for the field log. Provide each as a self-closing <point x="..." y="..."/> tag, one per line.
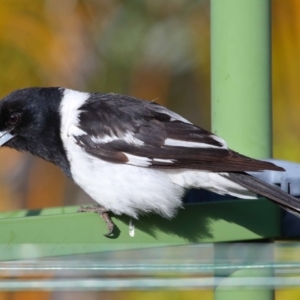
<point x="150" y="49"/>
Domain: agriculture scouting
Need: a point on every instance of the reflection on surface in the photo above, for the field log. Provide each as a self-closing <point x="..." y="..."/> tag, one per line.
<point x="226" y="265"/>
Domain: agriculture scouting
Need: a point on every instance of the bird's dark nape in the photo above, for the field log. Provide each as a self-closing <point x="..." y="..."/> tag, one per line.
<point x="38" y="131"/>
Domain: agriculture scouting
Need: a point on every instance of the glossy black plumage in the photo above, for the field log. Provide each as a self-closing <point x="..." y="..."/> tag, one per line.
<point x="39" y="130"/>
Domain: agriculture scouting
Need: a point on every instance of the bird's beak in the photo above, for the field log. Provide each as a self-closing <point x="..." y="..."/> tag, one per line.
<point x="5" y="136"/>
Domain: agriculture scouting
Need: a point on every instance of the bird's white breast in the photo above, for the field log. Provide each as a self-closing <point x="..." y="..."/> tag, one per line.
<point x="120" y="188"/>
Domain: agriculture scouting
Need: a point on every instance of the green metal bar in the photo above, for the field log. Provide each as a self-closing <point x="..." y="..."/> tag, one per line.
<point x="61" y="231"/>
<point x="241" y="95"/>
<point x="241" y="74"/>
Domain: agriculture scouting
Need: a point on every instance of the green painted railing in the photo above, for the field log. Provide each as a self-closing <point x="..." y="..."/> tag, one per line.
<point x="62" y="231"/>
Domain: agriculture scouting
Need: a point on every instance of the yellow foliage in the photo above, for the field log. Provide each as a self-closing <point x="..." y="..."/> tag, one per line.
<point x="286" y="79"/>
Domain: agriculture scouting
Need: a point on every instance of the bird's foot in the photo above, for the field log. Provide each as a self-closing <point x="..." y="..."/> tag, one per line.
<point x="103" y="212"/>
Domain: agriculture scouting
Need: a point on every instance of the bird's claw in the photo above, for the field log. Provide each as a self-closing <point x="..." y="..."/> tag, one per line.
<point x="100" y="210"/>
<point x="109" y="223"/>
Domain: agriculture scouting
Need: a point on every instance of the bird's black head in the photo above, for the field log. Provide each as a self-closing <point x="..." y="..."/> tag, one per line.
<point x="30" y="121"/>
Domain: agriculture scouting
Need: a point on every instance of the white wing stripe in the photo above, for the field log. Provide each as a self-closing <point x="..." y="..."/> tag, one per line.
<point x="163" y="160"/>
<point x="127" y="137"/>
<point x="138" y="160"/>
<point x="104" y="139"/>
<point x="178" y="143"/>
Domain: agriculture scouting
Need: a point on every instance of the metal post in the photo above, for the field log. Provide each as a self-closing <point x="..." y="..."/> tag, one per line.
<point x="241" y="94"/>
<point x="241" y="75"/>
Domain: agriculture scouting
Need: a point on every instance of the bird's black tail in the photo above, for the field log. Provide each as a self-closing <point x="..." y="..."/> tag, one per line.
<point x="271" y="192"/>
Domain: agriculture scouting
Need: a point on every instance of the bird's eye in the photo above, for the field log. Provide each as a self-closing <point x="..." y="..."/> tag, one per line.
<point x="13" y="119"/>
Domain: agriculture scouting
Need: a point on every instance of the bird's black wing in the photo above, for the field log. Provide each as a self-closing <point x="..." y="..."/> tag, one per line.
<point x="123" y="129"/>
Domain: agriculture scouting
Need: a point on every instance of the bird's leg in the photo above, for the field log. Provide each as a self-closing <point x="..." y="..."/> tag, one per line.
<point x="103" y="212"/>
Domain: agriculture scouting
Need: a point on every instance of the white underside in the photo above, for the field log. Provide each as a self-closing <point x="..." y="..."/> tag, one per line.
<point x="136" y="190"/>
<point x="133" y="190"/>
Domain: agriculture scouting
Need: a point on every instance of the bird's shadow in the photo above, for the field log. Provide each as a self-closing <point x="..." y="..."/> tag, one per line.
<point x="194" y="222"/>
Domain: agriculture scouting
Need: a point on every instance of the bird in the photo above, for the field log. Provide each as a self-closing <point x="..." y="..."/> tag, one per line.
<point x="131" y="156"/>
